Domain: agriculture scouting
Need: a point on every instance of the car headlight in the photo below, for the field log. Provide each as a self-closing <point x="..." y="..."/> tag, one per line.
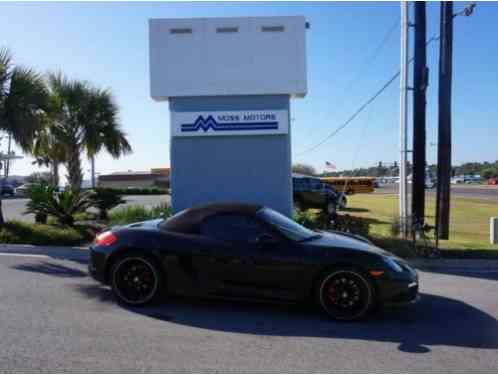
<point x="393" y="265"/>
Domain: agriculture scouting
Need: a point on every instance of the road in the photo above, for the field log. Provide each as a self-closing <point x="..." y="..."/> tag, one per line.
<point x="14" y="208"/>
<point x="55" y="318"/>
<point x="462" y="191"/>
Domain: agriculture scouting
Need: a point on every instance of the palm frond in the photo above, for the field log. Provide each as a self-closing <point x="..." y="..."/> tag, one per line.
<point x="5" y="70"/>
<point x="25" y="106"/>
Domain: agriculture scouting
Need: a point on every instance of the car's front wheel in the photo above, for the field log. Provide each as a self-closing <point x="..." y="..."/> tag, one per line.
<point x="135" y="280"/>
<point x="345" y="294"/>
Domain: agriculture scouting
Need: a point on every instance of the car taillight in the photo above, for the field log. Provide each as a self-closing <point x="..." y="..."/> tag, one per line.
<point x="105" y="238"/>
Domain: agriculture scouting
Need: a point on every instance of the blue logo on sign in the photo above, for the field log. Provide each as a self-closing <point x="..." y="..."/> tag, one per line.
<point x="210" y="123"/>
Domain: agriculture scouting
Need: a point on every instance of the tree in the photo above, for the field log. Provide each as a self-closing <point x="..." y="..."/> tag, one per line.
<point x="304" y="169"/>
<point x="23" y="104"/>
<point x="489" y="172"/>
<point x="84" y="119"/>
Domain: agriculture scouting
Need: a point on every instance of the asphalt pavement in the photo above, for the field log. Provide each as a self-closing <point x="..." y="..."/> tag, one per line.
<point x="14" y="208"/>
<point x="53" y="317"/>
<point x="457" y="190"/>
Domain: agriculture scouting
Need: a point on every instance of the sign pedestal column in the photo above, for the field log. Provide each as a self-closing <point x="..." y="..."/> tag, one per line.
<point x="231" y="148"/>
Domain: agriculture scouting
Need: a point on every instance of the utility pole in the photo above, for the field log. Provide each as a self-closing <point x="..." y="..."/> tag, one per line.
<point x="420" y="82"/>
<point x="444" y="122"/>
<point x="403" y="201"/>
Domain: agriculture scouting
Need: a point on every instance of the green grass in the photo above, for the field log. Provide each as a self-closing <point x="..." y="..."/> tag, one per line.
<point x="18" y="232"/>
<point x="133" y="214"/>
<point x="469" y="219"/>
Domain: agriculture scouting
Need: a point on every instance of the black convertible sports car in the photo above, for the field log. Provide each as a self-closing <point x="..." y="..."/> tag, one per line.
<point x="242" y="251"/>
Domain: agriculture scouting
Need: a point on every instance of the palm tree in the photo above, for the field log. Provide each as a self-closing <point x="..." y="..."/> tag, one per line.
<point x="23" y="104"/>
<point x="84" y="119"/>
<point x="48" y="152"/>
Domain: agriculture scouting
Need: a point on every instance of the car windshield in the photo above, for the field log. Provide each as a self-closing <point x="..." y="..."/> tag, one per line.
<point x="286" y="226"/>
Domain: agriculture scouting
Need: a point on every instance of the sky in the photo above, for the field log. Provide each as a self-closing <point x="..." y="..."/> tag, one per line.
<point x="352" y="50"/>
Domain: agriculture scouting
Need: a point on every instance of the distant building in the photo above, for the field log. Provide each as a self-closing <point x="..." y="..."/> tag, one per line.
<point x="156" y="177"/>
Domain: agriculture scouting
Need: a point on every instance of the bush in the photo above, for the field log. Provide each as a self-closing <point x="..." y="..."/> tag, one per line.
<point x="352" y="224"/>
<point x="307" y="218"/>
<point x="105" y="200"/>
<point x="18" y="232"/>
<point x="63" y="206"/>
<point x="314" y="219"/>
<point x="39" y="195"/>
<point x="137" y="213"/>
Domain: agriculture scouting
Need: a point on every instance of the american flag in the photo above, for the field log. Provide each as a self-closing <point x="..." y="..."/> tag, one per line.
<point x="330" y="166"/>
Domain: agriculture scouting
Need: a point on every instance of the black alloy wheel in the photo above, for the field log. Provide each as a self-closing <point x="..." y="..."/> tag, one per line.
<point x="345" y="294"/>
<point x="135" y="280"/>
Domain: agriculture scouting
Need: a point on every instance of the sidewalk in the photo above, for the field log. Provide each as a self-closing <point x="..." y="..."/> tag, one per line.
<point x="456" y="264"/>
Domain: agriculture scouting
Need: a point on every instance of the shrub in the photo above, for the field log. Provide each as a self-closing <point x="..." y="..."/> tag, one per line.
<point x="352" y="224"/>
<point x="307" y="218"/>
<point x="136" y="213"/>
<point x="105" y="200"/>
<point x="18" y="232"/>
<point x="314" y="219"/>
<point x="63" y="206"/>
<point x="39" y="195"/>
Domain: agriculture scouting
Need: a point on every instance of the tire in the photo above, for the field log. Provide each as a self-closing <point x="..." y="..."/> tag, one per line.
<point x="331" y="208"/>
<point x="343" y="201"/>
<point x="345" y="294"/>
<point x="128" y="273"/>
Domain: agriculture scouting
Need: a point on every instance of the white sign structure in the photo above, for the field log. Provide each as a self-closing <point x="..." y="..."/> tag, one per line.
<point x="227" y="56"/>
<point x="216" y="123"/>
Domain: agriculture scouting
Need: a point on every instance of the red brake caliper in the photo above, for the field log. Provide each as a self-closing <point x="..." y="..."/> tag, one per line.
<point x="332" y="293"/>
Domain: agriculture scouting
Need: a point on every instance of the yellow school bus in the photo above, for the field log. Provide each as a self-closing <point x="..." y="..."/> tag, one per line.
<point x="351" y="185"/>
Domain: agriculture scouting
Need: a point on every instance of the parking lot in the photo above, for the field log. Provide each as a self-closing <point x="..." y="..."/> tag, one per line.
<point x="54" y="317"/>
<point x="14" y="208"/>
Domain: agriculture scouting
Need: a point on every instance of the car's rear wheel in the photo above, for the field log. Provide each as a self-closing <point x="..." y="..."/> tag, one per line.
<point x="331" y="208"/>
<point x="135" y="280"/>
<point x="345" y="294"/>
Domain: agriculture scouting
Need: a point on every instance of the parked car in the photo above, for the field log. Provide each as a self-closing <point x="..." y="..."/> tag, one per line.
<point x="493" y="181"/>
<point x="310" y="192"/>
<point x="7" y="189"/>
<point x="23" y="189"/>
<point x="458" y="180"/>
<point x="243" y="251"/>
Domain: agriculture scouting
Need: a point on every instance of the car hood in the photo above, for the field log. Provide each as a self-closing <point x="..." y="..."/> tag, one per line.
<point x="346" y="241"/>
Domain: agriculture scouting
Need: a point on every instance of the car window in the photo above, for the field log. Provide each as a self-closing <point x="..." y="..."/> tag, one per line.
<point x="289" y="228"/>
<point x="232" y="228"/>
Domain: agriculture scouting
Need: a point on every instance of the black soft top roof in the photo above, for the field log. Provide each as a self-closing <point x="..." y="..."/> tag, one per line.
<point x="188" y="221"/>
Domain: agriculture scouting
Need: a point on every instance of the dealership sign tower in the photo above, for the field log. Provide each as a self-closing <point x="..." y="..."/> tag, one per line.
<point x="229" y="82"/>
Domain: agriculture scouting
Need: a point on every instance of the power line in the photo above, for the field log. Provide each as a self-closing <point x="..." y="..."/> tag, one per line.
<point x="367" y="63"/>
<point x="361" y="108"/>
